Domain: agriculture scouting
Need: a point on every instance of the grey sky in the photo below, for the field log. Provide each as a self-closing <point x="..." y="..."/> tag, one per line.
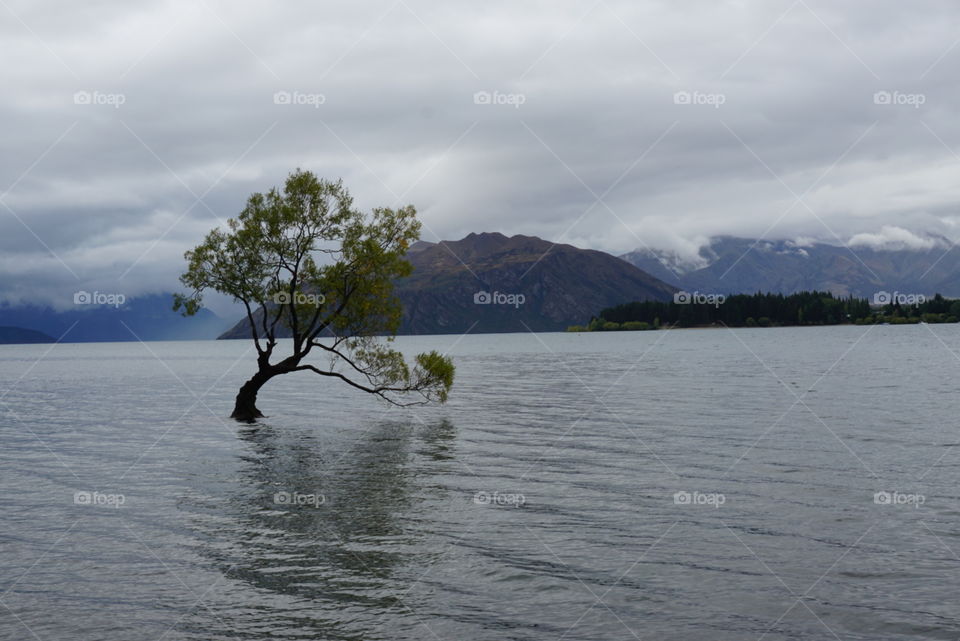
<point x="108" y="196"/>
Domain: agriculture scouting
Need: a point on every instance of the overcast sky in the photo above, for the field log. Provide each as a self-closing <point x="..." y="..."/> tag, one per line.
<point x="132" y="128"/>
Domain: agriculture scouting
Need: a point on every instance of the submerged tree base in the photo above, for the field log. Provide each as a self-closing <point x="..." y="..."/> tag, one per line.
<point x="245" y="405"/>
<point x="246" y="415"/>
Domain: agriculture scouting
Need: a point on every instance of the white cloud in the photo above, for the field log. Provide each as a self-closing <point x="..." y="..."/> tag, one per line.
<point x="598" y="120"/>
<point x="892" y="238"/>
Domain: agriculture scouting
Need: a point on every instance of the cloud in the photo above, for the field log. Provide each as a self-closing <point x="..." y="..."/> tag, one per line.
<point x="802" y="242"/>
<point x="892" y="238"/>
<point x="781" y="137"/>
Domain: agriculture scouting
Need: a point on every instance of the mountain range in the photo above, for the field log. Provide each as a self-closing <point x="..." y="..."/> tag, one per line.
<point x="731" y="265"/>
<point x="459" y="285"/>
<point x="10" y="335"/>
<point x="489" y="282"/>
<point x="148" y="318"/>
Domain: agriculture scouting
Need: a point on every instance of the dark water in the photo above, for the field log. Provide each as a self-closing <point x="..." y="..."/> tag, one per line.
<point x="540" y="503"/>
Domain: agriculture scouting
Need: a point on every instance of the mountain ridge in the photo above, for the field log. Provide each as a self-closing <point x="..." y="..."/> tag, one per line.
<point x="147" y="318"/>
<point x="733" y="264"/>
<point x="487" y="283"/>
<point x="22" y="336"/>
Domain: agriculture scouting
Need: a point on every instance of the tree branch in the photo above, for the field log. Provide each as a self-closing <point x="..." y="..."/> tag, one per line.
<point x="380" y="391"/>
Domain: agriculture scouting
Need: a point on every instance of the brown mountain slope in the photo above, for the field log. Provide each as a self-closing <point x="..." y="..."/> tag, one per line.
<point x="553" y="286"/>
<point x="491" y="283"/>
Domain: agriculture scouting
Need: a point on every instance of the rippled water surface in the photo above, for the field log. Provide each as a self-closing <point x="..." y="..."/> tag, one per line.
<point x="695" y="484"/>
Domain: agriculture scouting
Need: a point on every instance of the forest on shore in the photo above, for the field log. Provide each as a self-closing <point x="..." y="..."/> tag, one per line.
<point x="773" y="310"/>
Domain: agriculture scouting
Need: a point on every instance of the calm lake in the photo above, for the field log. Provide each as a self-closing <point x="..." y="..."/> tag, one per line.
<point x="797" y="483"/>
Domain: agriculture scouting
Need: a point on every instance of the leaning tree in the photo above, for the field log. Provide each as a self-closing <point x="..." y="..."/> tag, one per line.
<point x="307" y="265"/>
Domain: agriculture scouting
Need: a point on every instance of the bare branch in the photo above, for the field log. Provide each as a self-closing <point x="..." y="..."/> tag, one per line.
<point x="380" y="391"/>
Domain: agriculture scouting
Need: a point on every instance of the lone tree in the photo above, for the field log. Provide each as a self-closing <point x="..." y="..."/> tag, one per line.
<point x="307" y="265"/>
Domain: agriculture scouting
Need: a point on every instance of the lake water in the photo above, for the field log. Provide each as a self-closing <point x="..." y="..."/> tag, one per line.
<point x="684" y="484"/>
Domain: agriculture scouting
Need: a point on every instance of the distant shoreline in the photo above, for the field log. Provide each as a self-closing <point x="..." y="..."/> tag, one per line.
<point x="802" y="309"/>
<point x="715" y="326"/>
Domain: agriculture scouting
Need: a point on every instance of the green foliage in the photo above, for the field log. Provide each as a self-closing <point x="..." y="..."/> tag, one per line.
<point x="434" y="372"/>
<point x="303" y="258"/>
<point x="596" y="325"/>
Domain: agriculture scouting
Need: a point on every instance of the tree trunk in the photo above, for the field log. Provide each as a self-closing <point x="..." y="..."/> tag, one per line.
<point x="245" y="406"/>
